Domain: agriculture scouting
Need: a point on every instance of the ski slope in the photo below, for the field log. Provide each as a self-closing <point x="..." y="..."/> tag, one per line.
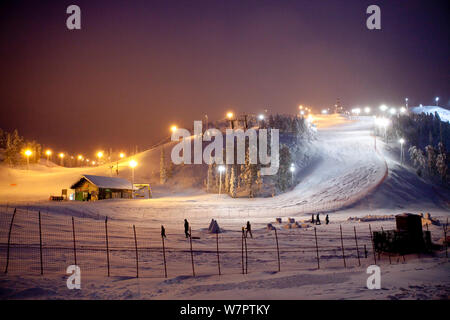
<point x="346" y="168"/>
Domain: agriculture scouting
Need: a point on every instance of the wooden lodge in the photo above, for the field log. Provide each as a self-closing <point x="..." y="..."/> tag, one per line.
<point x="90" y="187"/>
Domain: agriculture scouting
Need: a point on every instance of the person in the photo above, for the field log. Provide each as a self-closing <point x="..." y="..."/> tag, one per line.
<point x="312" y="218"/>
<point x="327" y="220"/>
<point x="318" y="219"/>
<point x="186" y="228"/>
<point x="163" y="232"/>
<point x="248" y="230"/>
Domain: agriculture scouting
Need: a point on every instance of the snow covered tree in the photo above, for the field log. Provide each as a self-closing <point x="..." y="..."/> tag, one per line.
<point x="431" y="159"/>
<point x="209" y="178"/>
<point x="441" y="162"/>
<point x="162" y="168"/>
<point x="233" y="181"/>
<point x="283" y="175"/>
<point x="227" y="179"/>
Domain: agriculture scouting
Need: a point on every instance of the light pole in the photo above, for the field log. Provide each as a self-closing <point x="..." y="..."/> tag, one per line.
<point x="99" y="156"/>
<point x="133" y="164"/>
<point x="437" y="100"/>
<point x="221" y="170"/>
<point x="80" y="159"/>
<point x="402" y="141"/>
<point x="406" y="103"/>
<point x="28" y="153"/>
<point x="292" y="169"/>
<point x="61" y="156"/>
<point x="121" y="155"/>
<point x="230" y="118"/>
<point x="48" y="153"/>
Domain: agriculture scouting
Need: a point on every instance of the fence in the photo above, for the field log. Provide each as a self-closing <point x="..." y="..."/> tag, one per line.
<point x="36" y="243"/>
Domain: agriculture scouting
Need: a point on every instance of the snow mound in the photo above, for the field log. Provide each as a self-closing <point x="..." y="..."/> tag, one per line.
<point x="444" y="114"/>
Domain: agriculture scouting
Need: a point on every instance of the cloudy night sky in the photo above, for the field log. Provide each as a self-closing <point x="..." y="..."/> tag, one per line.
<point x="136" y="67"/>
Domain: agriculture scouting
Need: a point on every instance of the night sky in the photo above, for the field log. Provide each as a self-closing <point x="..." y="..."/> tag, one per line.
<point x="136" y="67"/>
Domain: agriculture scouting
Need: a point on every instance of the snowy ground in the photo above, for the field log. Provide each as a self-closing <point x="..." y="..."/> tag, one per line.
<point x="349" y="177"/>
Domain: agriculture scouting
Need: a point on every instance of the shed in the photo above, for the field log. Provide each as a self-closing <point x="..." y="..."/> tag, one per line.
<point x="91" y="187"/>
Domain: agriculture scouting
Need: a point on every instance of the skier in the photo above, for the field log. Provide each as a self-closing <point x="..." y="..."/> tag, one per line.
<point x="318" y="219"/>
<point x="327" y="220"/>
<point x="248" y="230"/>
<point x="163" y="232"/>
<point x="186" y="228"/>
<point x="312" y="218"/>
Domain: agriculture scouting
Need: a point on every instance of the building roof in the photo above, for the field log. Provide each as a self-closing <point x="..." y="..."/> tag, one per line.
<point x="104" y="182"/>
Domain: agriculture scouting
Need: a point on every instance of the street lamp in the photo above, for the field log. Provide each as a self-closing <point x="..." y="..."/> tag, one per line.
<point x="28" y="153"/>
<point x="99" y="156"/>
<point x="48" y="153"/>
<point x="221" y="170"/>
<point x="230" y="116"/>
<point x="406" y="103"/>
<point x="437" y="100"/>
<point x="383" y="107"/>
<point x="292" y="169"/>
<point x="401" y="141"/>
<point x="173" y="128"/>
<point x="402" y="110"/>
<point x="121" y="156"/>
<point x="133" y="165"/>
<point x="261" y="117"/>
<point x="367" y="110"/>
<point x="80" y="159"/>
<point x="61" y="156"/>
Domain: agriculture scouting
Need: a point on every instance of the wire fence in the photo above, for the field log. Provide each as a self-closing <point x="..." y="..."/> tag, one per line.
<point x="32" y="242"/>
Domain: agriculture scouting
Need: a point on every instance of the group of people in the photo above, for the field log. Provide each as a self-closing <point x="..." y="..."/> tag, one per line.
<point x="245" y="230"/>
<point x="317" y="221"/>
<point x="187" y="230"/>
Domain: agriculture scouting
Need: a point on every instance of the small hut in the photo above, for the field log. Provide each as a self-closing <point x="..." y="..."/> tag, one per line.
<point x="90" y="187"/>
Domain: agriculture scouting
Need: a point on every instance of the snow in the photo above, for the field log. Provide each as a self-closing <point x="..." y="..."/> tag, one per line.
<point x="347" y="178"/>
<point x="444" y="114"/>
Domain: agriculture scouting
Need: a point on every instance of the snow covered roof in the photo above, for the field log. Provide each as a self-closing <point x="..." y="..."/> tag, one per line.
<point x="105" y="182"/>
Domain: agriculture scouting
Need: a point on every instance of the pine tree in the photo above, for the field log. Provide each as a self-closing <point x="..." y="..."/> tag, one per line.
<point x="233" y="181"/>
<point x="209" y="178"/>
<point x="431" y="159"/>
<point x="283" y="175"/>
<point x="227" y="179"/>
<point x="441" y="162"/>
<point x="162" y="168"/>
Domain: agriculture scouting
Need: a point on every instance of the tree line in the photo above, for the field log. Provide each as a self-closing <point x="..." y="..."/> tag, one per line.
<point x="428" y="137"/>
<point x="14" y="146"/>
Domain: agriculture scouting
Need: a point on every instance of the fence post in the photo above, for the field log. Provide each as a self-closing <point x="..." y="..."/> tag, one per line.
<point x="9" y="240"/>
<point x="342" y="245"/>
<point x="278" y="251"/>
<point x="40" y="242"/>
<point x="246" y="254"/>
<point x="192" y="254"/>
<point x="445" y="238"/>
<point x="357" y="249"/>
<point x="218" y="257"/>
<point x="107" y="244"/>
<point x="136" y="248"/>
<point x="373" y="245"/>
<point x="317" y="249"/>
<point x="74" y="242"/>
<point x="164" y="256"/>
<point x="242" y="250"/>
